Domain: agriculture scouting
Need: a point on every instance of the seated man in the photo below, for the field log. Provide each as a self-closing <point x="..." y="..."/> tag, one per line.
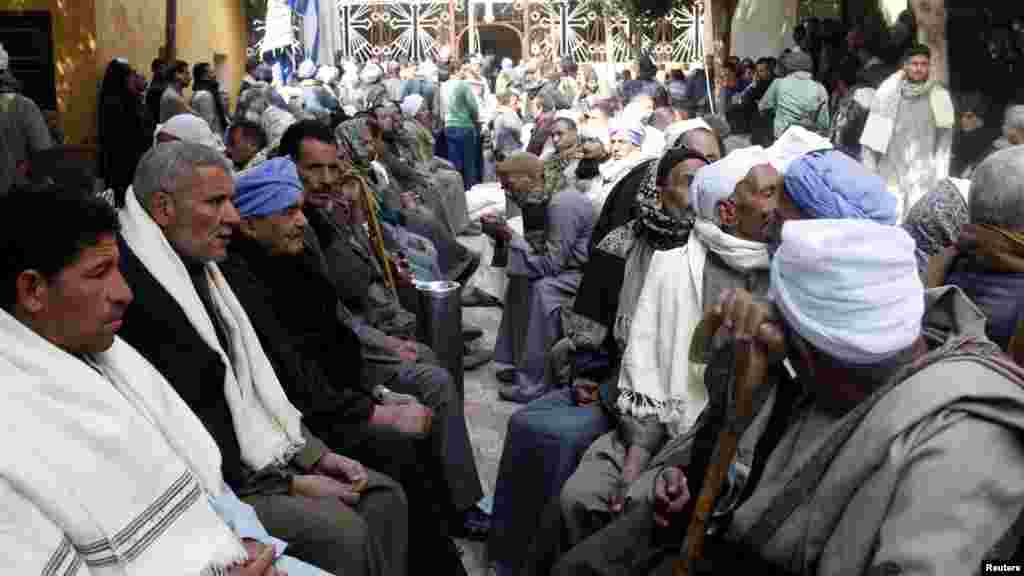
<point x="105" y="468"/>
<point x="187" y="322"/>
<point x="891" y="444"/>
<point x="278" y="270"/>
<point x="546" y="439"/>
<point x="986" y="264"/>
<point x="359" y="142"/>
<point x="660" y="393"/>
<point x="544" y="269"/>
<point x="442" y="187"/>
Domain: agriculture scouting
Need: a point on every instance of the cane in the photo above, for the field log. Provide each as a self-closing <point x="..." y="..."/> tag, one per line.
<point x="751" y="367"/>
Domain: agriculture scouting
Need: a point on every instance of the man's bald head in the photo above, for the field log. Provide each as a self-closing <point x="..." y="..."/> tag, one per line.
<point x="520" y="173"/>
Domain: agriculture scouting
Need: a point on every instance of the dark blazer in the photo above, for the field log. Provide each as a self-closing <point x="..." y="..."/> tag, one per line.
<point x="157" y="327"/>
<point x="293" y="308"/>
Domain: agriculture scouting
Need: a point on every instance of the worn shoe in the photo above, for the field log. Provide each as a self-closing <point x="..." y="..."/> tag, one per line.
<point x="477" y="298"/>
<point x="470" y="333"/>
<point x="474" y="359"/>
<point x="506" y="376"/>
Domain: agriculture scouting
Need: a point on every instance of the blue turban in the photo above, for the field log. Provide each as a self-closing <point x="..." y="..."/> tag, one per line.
<point x="830" y="184"/>
<point x="267" y="188"/>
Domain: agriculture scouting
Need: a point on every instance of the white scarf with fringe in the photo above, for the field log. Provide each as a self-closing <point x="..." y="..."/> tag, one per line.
<point x="657" y="378"/>
<point x="886" y="106"/>
<point x="267" y="425"/>
<point x="106" y="471"/>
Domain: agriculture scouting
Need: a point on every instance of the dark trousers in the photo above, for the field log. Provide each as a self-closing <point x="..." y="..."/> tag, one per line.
<point x="466" y="153"/>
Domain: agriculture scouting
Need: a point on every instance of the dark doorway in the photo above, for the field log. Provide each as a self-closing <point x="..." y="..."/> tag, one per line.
<point x="496" y="40"/>
<point x="28" y="39"/>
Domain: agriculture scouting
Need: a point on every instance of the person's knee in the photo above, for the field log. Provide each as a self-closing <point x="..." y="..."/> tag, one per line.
<point x="574" y="497"/>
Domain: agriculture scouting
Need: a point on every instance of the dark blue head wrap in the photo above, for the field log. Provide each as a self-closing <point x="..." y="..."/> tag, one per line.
<point x="830" y="184"/>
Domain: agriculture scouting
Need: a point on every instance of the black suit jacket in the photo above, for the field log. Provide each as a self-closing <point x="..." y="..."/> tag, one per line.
<point x="157" y="327"/>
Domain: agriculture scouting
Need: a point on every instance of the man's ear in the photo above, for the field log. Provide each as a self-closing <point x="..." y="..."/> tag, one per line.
<point x="31" y="291"/>
<point x="161" y="208"/>
<point x="727" y="213"/>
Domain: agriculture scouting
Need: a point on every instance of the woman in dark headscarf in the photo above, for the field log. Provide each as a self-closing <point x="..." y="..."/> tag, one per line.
<point x="206" y="98"/>
<point x="124" y="132"/>
<point x="546" y="439"/>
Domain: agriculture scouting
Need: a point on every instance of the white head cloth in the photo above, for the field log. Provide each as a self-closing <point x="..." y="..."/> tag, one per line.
<point x="5" y="60"/>
<point x="426" y="69"/>
<point x="717" y="182"/>
<point x="371" y="73"/>
<point x="677" y="129"/>
<point x="327" y="74"/>
<point x="849" y="287"/>
<point x="307" y="70"/>
<point x="411" y="104"/>
<point x="190" y="128"/>
<point x="795" y="142"/>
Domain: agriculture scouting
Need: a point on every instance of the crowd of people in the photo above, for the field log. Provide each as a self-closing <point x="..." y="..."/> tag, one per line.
<point x="216" y="365"/>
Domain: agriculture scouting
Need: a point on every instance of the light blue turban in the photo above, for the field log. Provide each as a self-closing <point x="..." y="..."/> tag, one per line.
<point x="830" y="184"/>
<point x="632" y="132"/>
<point x="267" y="188"/>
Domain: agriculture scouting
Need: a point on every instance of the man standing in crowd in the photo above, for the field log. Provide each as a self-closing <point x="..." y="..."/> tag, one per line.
<point x="23" y="130"/>
<point x="908" y="138"/>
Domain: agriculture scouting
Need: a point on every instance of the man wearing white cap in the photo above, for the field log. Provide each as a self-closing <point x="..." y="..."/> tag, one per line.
<point x="660" y="392"/>
<point x="23" y="130"/>
<point x="887" y="442"/>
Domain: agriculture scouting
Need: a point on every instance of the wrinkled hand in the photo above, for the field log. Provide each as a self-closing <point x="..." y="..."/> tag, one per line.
<point x="260" y="563"/>
<point x="347" y="470"/>
<point x="410" y="419"/>
<point x="404" y="349"/>
<point x="319" y="486"/>
<point x="749" y="319"/>
<point x="670" y="495"/>
<point x="636" y="461"/>
<point x="408" y="200"/>
<point x="584" y="392"/>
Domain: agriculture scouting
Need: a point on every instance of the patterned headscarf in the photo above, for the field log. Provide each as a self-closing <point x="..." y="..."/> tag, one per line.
<point x="663" y="231"/>
<point x="353" y="138"/>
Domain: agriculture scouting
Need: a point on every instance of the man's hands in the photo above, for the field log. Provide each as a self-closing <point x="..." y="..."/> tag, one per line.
<point x="404" y="349"/>
<point x="636" y="461"/>
<point x="670" y="495"/>
<point x="260" y="562"/>
<point x="342" y="468"/>
<point x="317" y="486"/>
<point x="410" y="419"/>
<point x="408" y="200"/>
<point x="584" y="392"/>
<point x="752" y="320"/>
<point x="495" y="227"/>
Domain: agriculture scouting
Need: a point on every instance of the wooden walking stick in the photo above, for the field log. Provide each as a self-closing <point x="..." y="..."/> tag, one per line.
<point x="751" y="367"/>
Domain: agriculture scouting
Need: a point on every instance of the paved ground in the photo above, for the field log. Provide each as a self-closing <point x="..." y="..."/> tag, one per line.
<point x="486" y="415"/>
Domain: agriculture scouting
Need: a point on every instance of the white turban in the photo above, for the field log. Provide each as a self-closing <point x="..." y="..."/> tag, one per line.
<point x="717" y="182"/>
<point x="677" y="129"/>
<point x="327" y="74"/>
<point x="190" y="128"/>
<point x="849" y="287"/>
<point x="5" y="60"/>
<point x="426" y="69"/>
<point x="795" y="142"/>
<point x="411" y="104"/>
<point x="371" y="73"/>
<point x="306" y="70"/>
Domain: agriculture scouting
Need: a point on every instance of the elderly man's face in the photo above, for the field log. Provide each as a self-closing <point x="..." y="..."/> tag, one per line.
<point x="917" y="68"/>
<point x="563" y="137"/>
<point x="199" y="218"/>
<point x="703" y="142"/>
<point x="80" y="308"/>
<point x="756" y="202"/>
<point x="240" y="149"/>
<point x="1014" y="135"/>
<point x="622" y="147"/>
<point x="319" y="171"/>
<point x="279" y="234"/>
<point x="675" y="196"/>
